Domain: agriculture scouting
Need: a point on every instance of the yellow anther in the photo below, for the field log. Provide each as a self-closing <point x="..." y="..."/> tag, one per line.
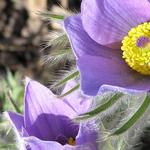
<point x="136" y="48"/>
<point x="71" y="141"/>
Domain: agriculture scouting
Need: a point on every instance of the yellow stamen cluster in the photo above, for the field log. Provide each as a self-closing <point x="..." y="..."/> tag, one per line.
<point x="71" y="141"/>
<point x="136" y="56"/>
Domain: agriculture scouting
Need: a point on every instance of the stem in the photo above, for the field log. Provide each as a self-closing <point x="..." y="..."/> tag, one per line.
<point x="13" y="102"/>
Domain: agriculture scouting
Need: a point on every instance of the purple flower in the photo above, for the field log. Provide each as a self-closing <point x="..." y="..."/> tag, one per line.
<point x="47" y="125"/>
<point x="111" y="41"/>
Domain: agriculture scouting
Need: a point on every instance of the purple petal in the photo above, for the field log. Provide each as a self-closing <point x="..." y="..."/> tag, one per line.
<point x="108" y="21"/>
<point x="51" y="127"/>
<point x="106" y="88"/>
<point x="79" y="39"/>
<point x="99" y="65"/>
<point x="16" y="121"/>
<point x="33" y="143"/>
<point x="76" y="100"/>
<point x="44" y="114"/>
<point x="99" y="70"/>
<point x="87" y="136"/>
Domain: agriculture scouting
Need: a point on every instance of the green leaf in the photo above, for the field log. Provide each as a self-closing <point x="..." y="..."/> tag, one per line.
<point x="69" y="77"/>
<point x="136" y="116"/>
<point x="57" y="56"/>
<point x="100" y="108"/>
<point x="11" y="80"/>
<point x="59" y="40"/>
<point x="70" y="91"/>
<point x="13" y="92"/>
<point x="60" y="50"/>
<point x="13" y="102"/>
<point x="52" y="16"/>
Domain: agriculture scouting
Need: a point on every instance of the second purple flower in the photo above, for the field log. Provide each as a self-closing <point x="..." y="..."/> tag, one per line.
<point x="47" y="125"/>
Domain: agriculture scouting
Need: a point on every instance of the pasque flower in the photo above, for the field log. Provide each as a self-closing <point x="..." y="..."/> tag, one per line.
<point x="111" y="41"/>
<point x="46" y="123"/>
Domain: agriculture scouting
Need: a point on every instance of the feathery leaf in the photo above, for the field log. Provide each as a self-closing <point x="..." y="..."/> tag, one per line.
<point x="69" y="77"/>
<point x="100" y="108"/>
<point x="135" y="117"/>
<point x="52" y="16"/>
<point x="70" y="91"/>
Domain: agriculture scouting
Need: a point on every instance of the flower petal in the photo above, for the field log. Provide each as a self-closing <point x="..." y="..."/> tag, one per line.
<point x="80" y="41"/>
<point x="99" y="65"/>
<point x="43" y="111"/>
<point x="76" y="100"/>
<point x="16" y="120"/>
<point x="33" y="143"/>
<point x="87" y="136"/>
<point x="108" y="21"/>
<point x="101" y="70"/>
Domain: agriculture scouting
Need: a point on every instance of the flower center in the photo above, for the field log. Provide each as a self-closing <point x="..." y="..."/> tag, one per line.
<point x="64" y="140"/>
<point x="71" y="141"/>
<point x="136" y="48"/>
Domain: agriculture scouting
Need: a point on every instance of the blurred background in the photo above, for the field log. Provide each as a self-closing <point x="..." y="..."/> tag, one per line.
<point x="24" y="34"/>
